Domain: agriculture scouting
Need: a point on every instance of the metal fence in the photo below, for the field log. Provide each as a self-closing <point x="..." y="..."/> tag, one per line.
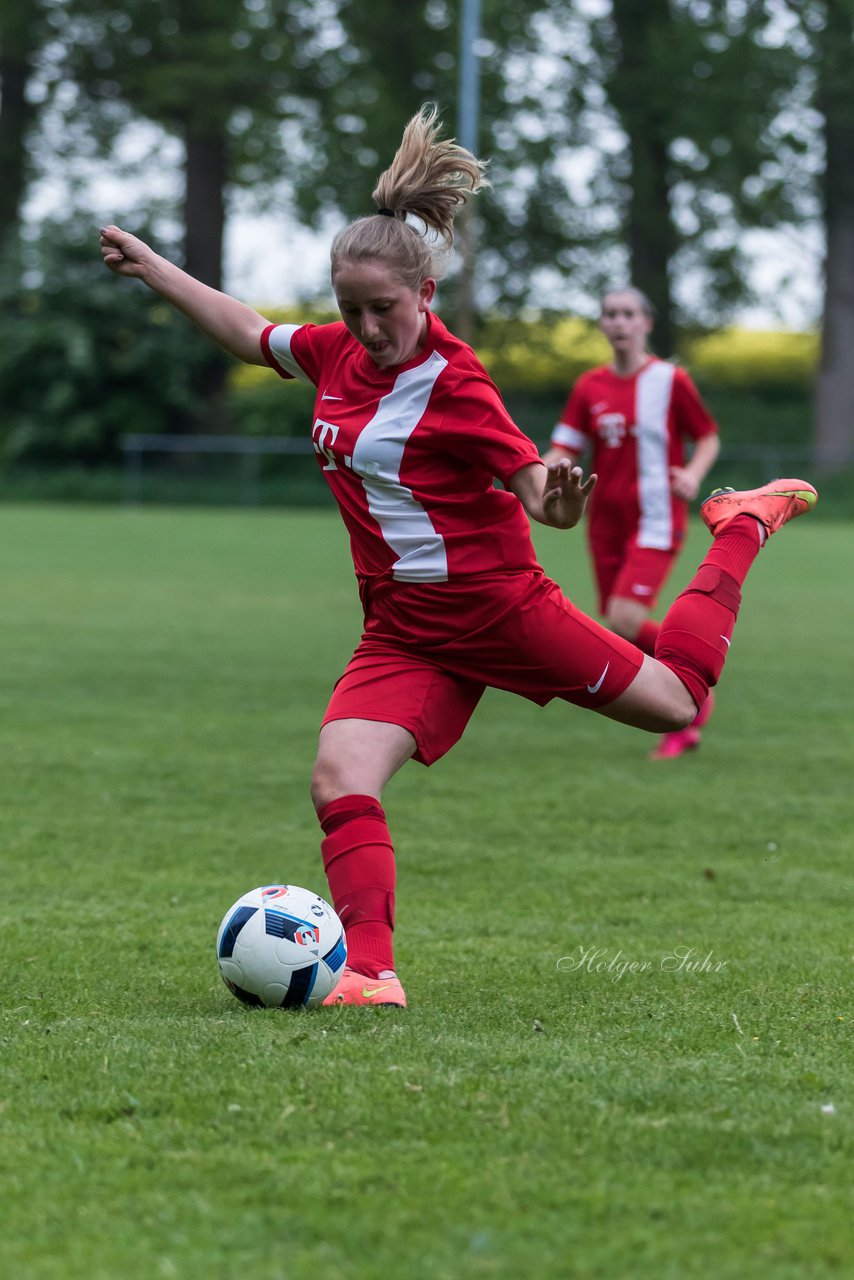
<point x="753" y="463"/>
<point x="250" y="449"/>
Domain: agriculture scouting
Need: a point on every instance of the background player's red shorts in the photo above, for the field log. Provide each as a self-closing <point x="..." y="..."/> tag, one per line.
<point x="429" y="650"/>
<point x="624" y="569"/>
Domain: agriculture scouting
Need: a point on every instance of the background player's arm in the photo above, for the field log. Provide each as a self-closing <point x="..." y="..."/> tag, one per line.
<point x="231" y="324"/>
<point x="555" y="495"/>
<point x="685" y="481"/>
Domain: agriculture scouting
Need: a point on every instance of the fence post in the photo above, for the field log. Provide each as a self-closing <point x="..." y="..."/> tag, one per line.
<point x="133" y="470"/>
<point x="251" y="478"/>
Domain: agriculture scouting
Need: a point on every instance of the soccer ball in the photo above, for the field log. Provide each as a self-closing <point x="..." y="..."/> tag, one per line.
<point x="281" y="946"/>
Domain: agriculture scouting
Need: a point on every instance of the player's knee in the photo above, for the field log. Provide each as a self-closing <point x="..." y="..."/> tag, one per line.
<point x="624" y="618"/>
<point x="658" y="699"/>
<point x="682" y="713"/>
<point x="327" y="782"/>
<point x="623" y="627"/>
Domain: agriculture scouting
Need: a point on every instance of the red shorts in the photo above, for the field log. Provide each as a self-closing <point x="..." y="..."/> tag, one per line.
<point x="429" y="650"/>
<point x="624" y="569"/>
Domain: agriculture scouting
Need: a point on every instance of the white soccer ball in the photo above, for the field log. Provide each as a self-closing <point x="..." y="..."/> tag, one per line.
<point x="281" y="946"/>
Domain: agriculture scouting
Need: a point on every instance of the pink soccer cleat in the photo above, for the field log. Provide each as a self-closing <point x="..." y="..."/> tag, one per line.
<point x="773" y="504"/>
<point x="676" y="744"/>
<point x="355" y="988"/>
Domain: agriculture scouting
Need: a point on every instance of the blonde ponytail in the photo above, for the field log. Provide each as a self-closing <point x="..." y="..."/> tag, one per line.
<point x="430" y="180"/>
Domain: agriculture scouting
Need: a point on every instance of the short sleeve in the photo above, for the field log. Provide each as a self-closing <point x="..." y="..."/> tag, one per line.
<point x="692" y="417"/>
<point x="293" y="351"/>
<point x="572" y="429"/>
<point x="480" y="430"/>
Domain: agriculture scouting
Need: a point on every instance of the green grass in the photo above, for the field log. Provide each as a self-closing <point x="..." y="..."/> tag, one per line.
<point x="162" y="678"/>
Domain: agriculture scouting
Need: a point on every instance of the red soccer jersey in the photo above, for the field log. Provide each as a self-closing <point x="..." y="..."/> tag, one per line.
<point x="638" y="427"/>
<point x="410" y="453"/>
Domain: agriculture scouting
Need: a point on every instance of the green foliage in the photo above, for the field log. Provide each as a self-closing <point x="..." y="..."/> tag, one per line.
<point x="83" y="359"/>
<point x="704" y="96"/>
<point x="162" y="681"/>
<point x="200" y="67"/>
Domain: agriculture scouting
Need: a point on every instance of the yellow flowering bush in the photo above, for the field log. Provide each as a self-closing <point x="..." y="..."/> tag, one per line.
<point x="536" y="355"/>
<point x="754" y="358"/>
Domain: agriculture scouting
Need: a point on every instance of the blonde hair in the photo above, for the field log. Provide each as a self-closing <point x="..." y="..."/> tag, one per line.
<point x="429" y="179"/>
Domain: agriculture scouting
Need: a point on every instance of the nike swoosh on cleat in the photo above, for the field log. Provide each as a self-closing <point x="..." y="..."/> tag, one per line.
<point x="594" y="688"/>
<point x="367" y="992"/>
<point x="726" y="642"/>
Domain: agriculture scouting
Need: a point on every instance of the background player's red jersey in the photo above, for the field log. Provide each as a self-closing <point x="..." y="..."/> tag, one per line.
<point x="411" y="452"/>
<point x="637" y="426"/>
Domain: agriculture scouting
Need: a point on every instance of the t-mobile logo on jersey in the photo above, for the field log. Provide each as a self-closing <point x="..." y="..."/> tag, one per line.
<point x="324" y="435"/>
<point x="612" y="429"/>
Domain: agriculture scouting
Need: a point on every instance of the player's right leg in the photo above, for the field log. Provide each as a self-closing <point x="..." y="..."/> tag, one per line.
<point x="389" y="706"/>
<point x="355" y="759"/>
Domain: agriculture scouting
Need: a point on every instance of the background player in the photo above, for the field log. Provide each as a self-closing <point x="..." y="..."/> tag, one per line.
<point x="409" y="432"/>
<point x="637" y="413"/>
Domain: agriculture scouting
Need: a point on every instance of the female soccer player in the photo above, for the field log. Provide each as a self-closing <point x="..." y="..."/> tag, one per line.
<point x="637" y="413"/>
<point x="409" y="433"/>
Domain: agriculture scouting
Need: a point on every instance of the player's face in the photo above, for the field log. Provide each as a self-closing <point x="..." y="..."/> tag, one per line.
<point x="387" y="317"/>
<point x="625" y="323"/>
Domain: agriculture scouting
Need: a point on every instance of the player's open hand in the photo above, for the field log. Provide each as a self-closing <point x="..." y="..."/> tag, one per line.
<point x="565" y="494"/>
<point x="123" y="253"/>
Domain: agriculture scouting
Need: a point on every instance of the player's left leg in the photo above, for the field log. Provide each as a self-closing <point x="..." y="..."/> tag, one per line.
<point x="636" y="589"/>
<point x="696" y="633"/>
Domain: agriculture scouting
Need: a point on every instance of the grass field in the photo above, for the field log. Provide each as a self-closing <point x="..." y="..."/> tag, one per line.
<point x="540" y="1110"/>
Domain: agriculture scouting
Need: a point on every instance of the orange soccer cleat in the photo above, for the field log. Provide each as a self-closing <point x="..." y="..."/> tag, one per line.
<point x="355" y="988"/>
<point x="772" y="504"/>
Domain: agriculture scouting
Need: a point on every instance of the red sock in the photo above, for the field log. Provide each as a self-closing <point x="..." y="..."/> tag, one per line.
<point x="697" y="628"/>
<point x="647" y="636"/>
<point x="358" y="858"/>
<point x="737" y="547"/>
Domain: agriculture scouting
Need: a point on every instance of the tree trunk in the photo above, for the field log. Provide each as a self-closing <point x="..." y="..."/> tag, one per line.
<point x="649" y="233"/>
<point x="204" y="227"/>
<point x="833" y="422"/>
<point x="204" y="207"/>
<point x="17" y="42"/>
<point x="648" y="227"/>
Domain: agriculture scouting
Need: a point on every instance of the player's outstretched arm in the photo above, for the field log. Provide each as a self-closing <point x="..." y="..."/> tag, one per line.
<point x="229" y="323"/>
<point x="555" y="495"/>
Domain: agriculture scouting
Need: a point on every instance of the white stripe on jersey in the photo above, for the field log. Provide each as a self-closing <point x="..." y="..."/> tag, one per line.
<point x="652" y="406"/>
<point x="280" y="345"/>
<point x="377" y="457"/>
<point x="569" y="437"/>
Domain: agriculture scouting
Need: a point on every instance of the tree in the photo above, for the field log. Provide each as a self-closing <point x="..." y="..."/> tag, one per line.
<point x="699" y="89"/>
<point x="217" y="75"/>
<point x="833" y="26"/>
<point x="372" y="84"/>
<point x="82" y="360"/>
<point x="23" y="31"/>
